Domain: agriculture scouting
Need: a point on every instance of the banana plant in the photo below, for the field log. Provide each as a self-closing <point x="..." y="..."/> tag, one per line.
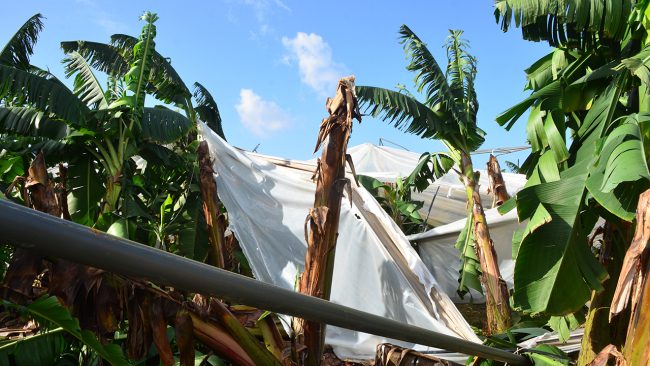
<point x="588" y="129"/>
<point x="448" y="114"/>
<point x="129" y="172"/>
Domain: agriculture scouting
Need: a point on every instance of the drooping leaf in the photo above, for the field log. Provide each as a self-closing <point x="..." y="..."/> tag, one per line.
<point x="430" y="167"/>
<point x="42" y="93"/>
<point x="510" y="116"/>
<point x="540" y="73"/>
<point x="404" y="112"/>
<point x="574" y="23"/>
<point x="21" y="45"/>
<point x="164" y="125"/>
<point x="86" y="85"/>
<point x="101" y="56"/>
<point x="207" y="109"/>
<point x="27" y="121"/>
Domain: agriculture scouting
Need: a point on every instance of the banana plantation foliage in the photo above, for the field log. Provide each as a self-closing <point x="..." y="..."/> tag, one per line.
<point x="101" y="155"/>
<point x="97" y="156"/>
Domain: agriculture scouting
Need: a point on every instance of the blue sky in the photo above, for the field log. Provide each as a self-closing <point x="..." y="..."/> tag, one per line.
<point x="270" y="64"/>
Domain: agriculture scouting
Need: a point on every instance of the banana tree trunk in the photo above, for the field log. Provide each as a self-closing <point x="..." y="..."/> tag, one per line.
<point x="215" y="220"/>
<point x="637" y="346"/>
<point x="496" y="291"/>
<point x="633" y="288"/>
<point x="497" y="184"/>
<point x="599" y="331"/>
<point x="323" y="219"/>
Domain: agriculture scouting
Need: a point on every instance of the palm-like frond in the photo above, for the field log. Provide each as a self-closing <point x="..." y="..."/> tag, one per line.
<point x="165" y="83"/>
<point x="21" y="46"/>
<point x="163" y="125"/>
<point x="26" y="121"/>
<point x="514" y="168"/>
<point x="115" y="59"/>
<point x="100" y="56"/>
<point x="429" y="77"/>
<point x="405" y="112"/>
<point x="575" y="23"/>
<point x="86" y="85"/>
<point x="461" y="73"/>
<point x="22" y="87"/>
<point x="207" y="109"/>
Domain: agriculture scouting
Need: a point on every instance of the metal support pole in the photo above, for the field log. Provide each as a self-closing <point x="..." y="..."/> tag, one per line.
<point x="64" y="239"/>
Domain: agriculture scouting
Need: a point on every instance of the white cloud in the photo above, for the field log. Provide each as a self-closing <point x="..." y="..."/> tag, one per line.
<point x="262" y="117"/>
<point x="315" y="64"/>
<point x="263" y="10"/>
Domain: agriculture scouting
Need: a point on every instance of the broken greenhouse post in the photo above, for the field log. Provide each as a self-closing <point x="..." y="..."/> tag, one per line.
<point x="497" y="185"/>
<point x="321" y="225"/>
<point x="215" y="220"/>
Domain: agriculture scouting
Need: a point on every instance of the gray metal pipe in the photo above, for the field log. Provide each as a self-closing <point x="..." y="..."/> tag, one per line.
<point x="64" y="239"/>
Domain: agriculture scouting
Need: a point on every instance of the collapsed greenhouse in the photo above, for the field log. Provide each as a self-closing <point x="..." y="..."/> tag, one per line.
<point x="134" y="233"/>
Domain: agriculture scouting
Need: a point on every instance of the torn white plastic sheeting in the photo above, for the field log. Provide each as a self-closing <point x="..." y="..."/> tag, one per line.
<point x="437" y="250"/>
<point x="448" y="214"/>
<point x="386" y="164"/>
<point x="376" y="270"/>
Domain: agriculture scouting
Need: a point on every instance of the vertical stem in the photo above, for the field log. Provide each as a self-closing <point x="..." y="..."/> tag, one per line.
<point x="633" y="288"/>
<point x="496" y="292"/>
<point x="599" y="332"/>
<point x="215" y="220"/>
<point x="323" y="218"/>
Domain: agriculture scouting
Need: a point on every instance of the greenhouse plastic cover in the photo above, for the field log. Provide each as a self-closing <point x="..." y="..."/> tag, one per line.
<point x="448" y="214"/>
<point x="449" y="203"/>
<point x="376" y="270"/>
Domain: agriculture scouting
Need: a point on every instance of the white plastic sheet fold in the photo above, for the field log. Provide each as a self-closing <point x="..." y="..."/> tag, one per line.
<point x="437" y="250"/>
<point x="448" y="214"/>
<point x="376" y="270"/>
